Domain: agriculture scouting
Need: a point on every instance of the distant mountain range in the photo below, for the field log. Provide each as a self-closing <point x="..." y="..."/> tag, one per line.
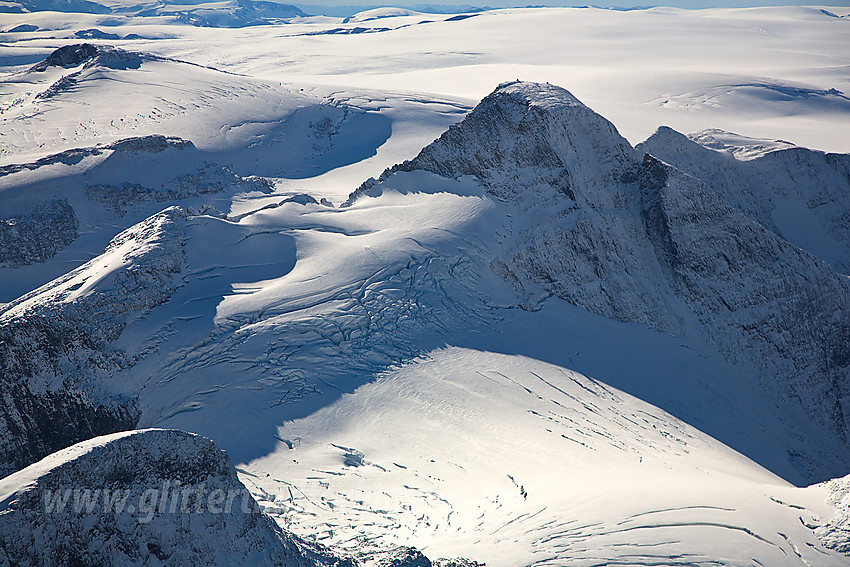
<point x="232" y="14"/>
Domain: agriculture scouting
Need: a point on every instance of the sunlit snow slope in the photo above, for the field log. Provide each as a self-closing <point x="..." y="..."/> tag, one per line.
<point x="515" y="462"/>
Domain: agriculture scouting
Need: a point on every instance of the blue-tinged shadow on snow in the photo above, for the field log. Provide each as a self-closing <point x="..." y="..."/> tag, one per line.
<point x="309" y="142"/>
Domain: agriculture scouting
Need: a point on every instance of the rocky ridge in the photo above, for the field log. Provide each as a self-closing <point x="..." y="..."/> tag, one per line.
<point x="177" y="171"/>
<point x="54" y="342"/>
<point x="801" y="195"/>
<point x="144" y="497"/>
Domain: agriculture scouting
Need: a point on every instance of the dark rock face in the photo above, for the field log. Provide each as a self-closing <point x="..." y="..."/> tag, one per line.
<point x="95" y="33"/>
<point x="68" y="56"/>
<point x="159" y="497"/>
<point x="38" y="424"/>
<point x="209" y="180"/>
<point x="757" y="299"/>
<point x="27" y="239"/>
<point x="88" y="56"/>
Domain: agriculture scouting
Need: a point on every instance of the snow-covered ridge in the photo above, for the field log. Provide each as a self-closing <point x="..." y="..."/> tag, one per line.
<point x="742" y="147"/>
<point x="56" y="186"/>
<point x="379" y="14"/>
<point x="154" y="143"/>
<point x="127" y="499"/>
<point x="55" y="354"/>
<point x="801" y="195"/>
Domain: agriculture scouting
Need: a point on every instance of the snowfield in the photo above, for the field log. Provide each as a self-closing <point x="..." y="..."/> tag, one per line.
<point x="528" y="464"/>
<point x="522" y="326"/>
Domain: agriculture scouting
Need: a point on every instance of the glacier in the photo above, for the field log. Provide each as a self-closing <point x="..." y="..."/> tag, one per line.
<point x="529" y="341"/>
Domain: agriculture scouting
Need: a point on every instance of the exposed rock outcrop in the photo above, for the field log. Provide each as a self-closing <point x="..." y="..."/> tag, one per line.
<point x="161" y="497"/>
<point x="54" y="342"/>
<point x="26" y="239"/>
<point x="172" y="169"/>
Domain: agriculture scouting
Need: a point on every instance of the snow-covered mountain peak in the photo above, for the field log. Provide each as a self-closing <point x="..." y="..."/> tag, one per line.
<point x="525" y="124"/>
<point x="538" y="94"/>
<point x="527" y="134"/>
<point x="613" y="230"/>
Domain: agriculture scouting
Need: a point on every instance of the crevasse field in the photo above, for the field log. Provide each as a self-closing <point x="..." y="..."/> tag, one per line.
<point x="531" y="345"/>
